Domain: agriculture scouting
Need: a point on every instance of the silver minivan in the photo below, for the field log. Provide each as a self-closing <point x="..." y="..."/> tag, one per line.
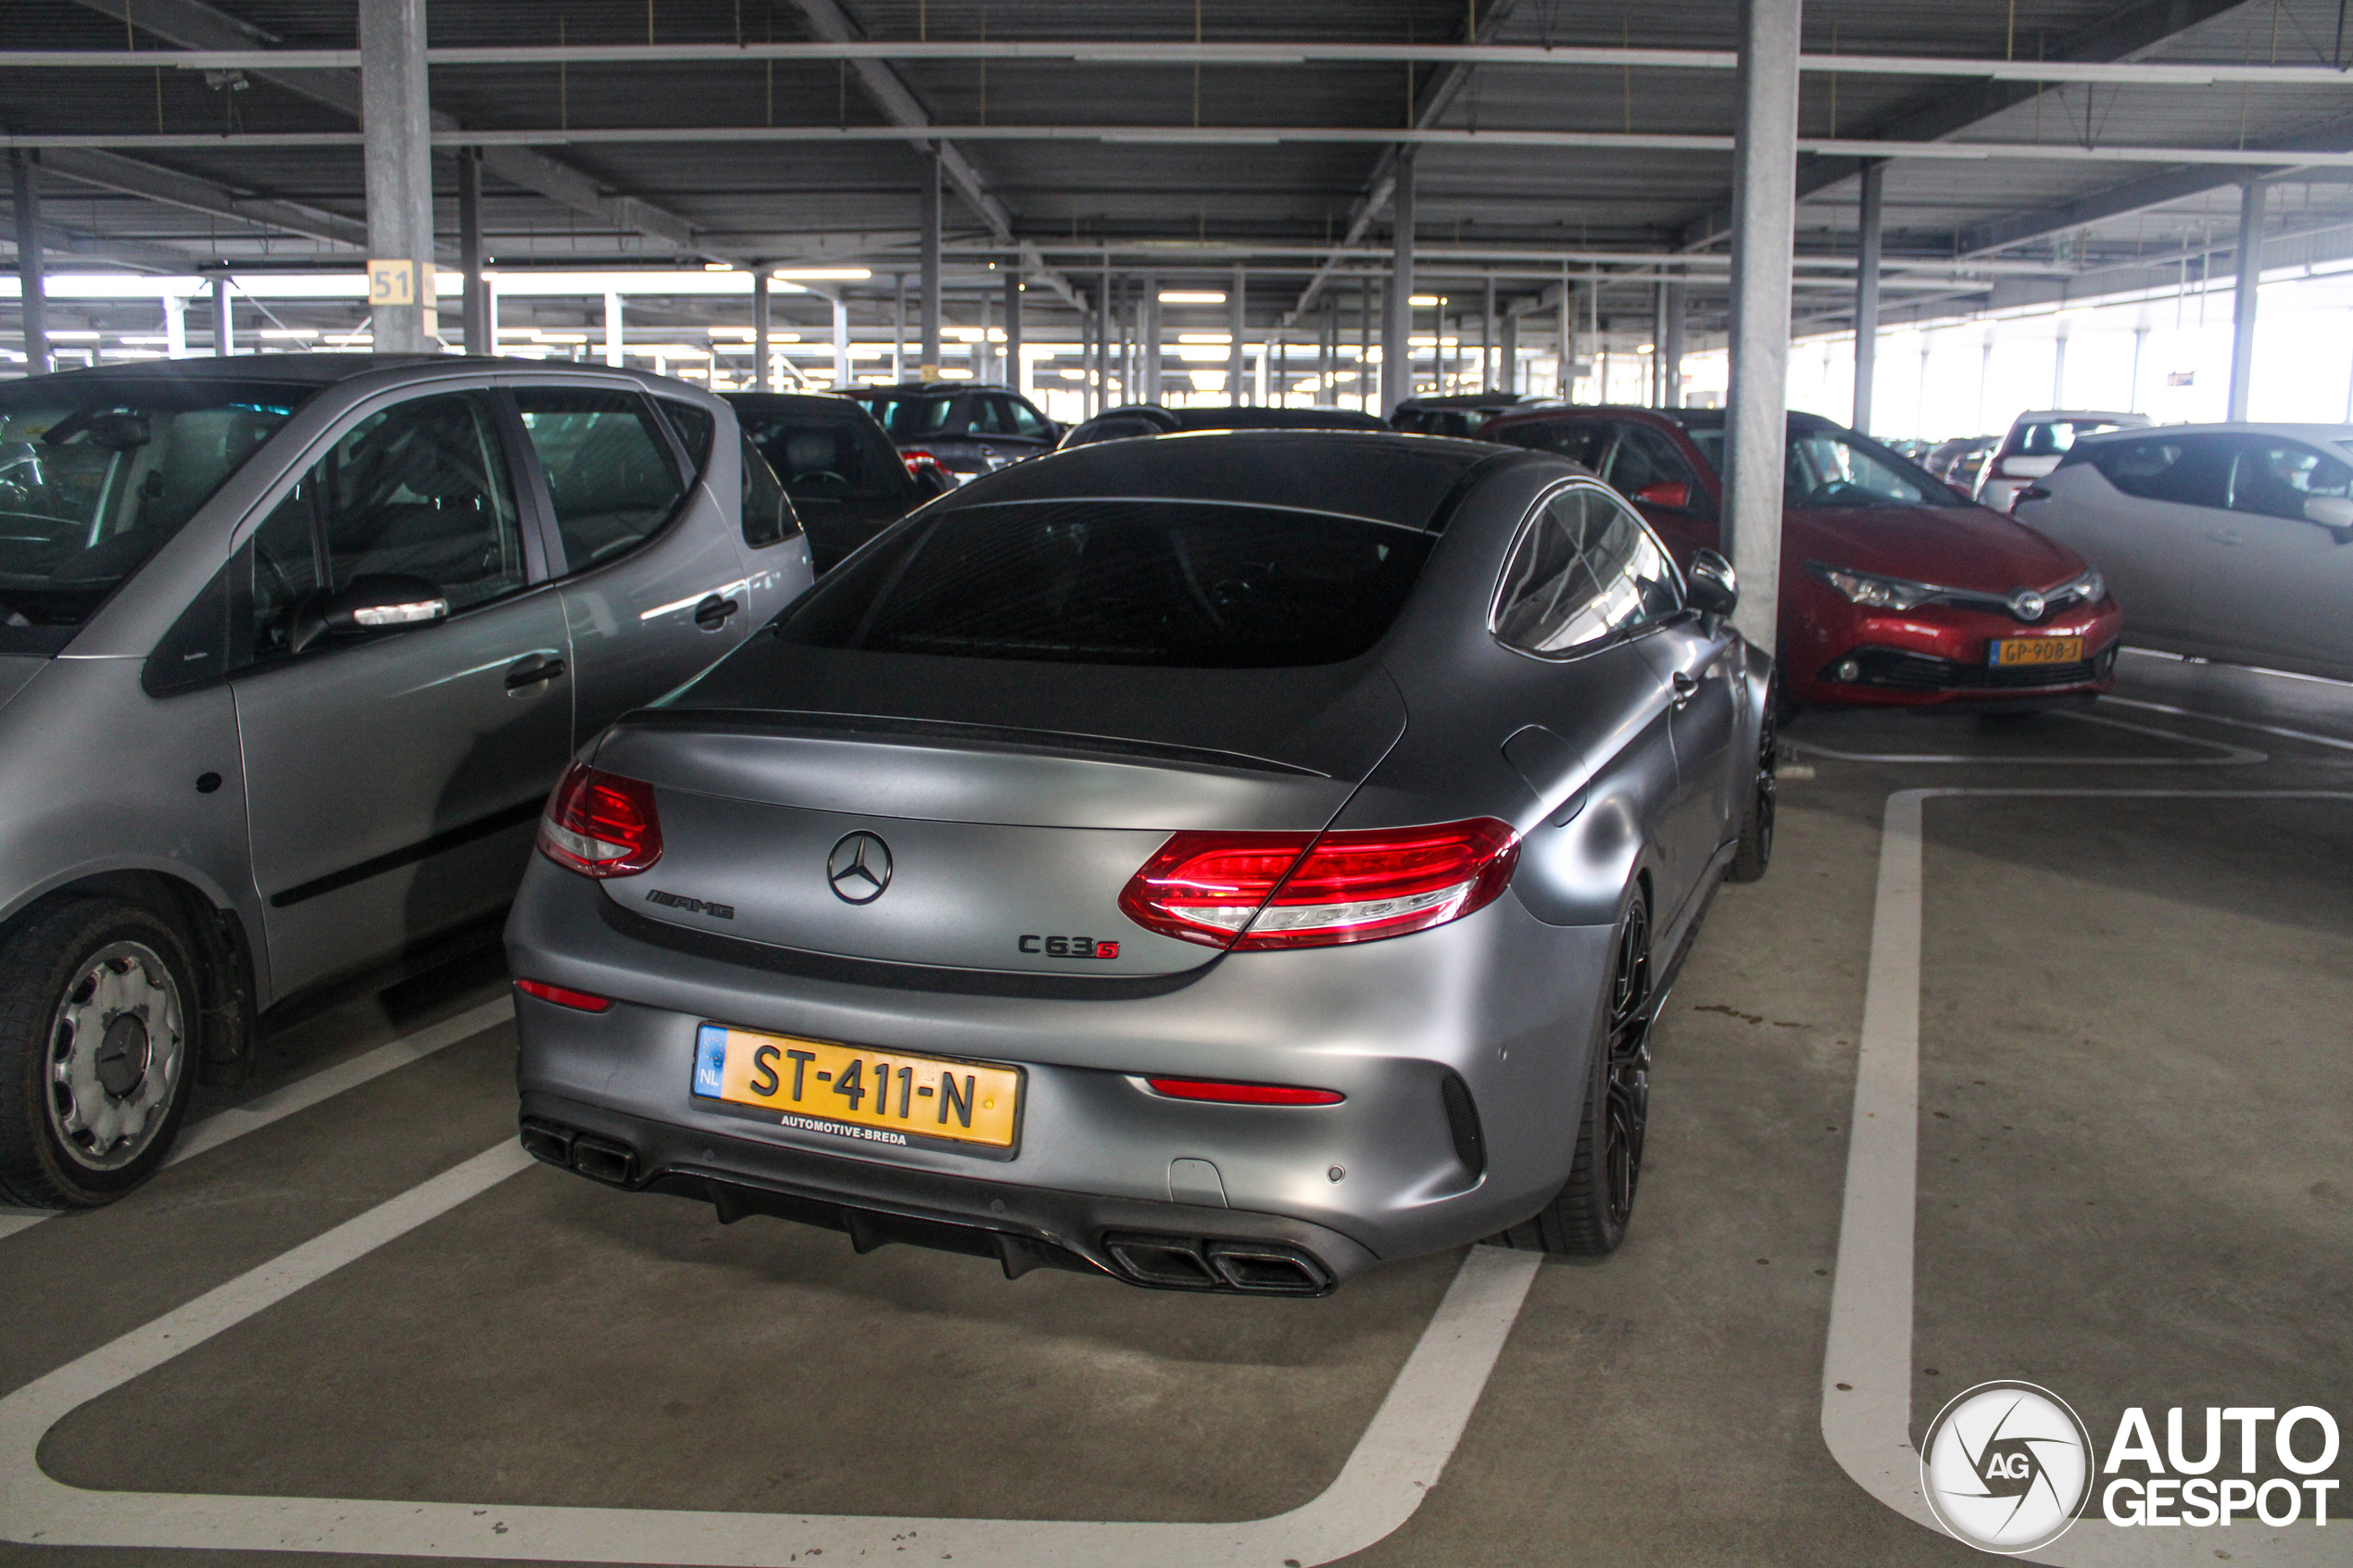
<point x="292" y="648"/>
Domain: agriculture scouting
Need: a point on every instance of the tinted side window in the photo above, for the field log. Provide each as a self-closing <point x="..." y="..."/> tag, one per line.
<point x="1586" y="568"/>
<point x="419" y="490"/>
<point x="1581" y="441"/>
<point x="1025" y="420"/>
<point x="697" y="427"/>
<point x="2177" y="468"/>
<point x="1645" y="460"/>
<point x="768" y="517"/>
<point x="991" y="416"/>
<point x="2275" y="478"/>
<point x="609" y="470"/>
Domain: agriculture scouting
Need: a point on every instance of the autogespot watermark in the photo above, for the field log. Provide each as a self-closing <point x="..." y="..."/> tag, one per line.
<point x="2008" y="1467"/>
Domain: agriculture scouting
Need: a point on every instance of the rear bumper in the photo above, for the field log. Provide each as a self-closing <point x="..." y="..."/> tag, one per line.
<point x="1500" y="1005"/>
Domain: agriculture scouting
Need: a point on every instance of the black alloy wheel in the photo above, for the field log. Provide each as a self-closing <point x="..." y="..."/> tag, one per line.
<point x="1754" y="852"/>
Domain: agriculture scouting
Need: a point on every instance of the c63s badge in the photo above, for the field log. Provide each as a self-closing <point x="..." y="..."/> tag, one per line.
<point x="1069" y="947"/>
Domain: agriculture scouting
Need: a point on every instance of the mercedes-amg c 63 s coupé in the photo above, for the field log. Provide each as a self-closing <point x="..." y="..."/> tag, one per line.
<point x="1221" y="861"/>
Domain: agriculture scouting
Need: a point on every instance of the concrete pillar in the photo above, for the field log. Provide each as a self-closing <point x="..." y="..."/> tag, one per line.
<point x="1763" y="223"/>
<point x="2058" y="366"/>
<point x="1568" y="336"/>
<point x="1268" y="390"/>
<point x="1366" y="393"/>
<point x="615" y="330"/>
<point x="30" y="278"/>
<point x="1014" y="377"/>
<point x="1487" y="340"/>
<point x="1676" y="308"/>
<point x="2250" y="279"/>
<point x="1658" y="344"/>
<point x="841" y="343"/>
<point x="175" y="327"/>
<point x="480" y="320"/>
<point x="1236" y="318"/>
<point x="764" y="373"/>
<point x="1326" y="332"/>
<point x="224" y="336"/>
<point x="1866" y="271"/>
<point x="899" y="326"/>
<point x="1100" y="387"/>
<point x="927" y="362"/>
<point x="2140" y="343"/>
<point x="397" y="150"/>
<point x="1148" y="324"/>
<point x="1397" y="324"/>
<point x="1507" y="355"/>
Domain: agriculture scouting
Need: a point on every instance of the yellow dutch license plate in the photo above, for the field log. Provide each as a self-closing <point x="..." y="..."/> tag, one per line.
<point x="2036" y="650"/>
<point x="879" y="1097"/>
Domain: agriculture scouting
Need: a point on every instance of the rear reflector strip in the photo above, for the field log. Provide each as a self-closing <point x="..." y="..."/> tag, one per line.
<point x="580" y="1001"/>
<point x="1243" y="1094"/>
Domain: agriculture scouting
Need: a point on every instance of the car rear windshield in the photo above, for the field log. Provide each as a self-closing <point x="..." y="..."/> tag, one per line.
<point x="827" y="456"/>
<point x="96" y="476"/>
<point x="908" y="417"/>
<point x="1175" y="584"/>
<point x="2044" y="438"/>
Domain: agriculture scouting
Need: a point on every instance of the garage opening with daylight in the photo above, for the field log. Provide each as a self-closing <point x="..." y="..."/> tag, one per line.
<point x="1413" y="781"/>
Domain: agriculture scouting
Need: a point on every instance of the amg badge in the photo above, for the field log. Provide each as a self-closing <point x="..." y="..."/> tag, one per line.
<point x="692" y="906"/>
<point x="1069" y="947"/>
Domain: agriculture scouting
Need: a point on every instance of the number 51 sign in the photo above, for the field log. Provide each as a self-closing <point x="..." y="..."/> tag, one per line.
<point x="392" y="283"/>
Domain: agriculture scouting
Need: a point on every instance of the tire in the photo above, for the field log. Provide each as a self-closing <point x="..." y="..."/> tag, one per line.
<point x="1587" y="1217"/>
<point x="99" y="1020"/>
<point x="1756" y="850"/>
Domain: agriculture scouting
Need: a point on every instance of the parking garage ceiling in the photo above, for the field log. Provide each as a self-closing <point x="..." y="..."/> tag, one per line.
<point x="1576" y="142"/>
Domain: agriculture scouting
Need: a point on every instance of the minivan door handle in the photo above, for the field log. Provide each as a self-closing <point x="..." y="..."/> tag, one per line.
<point x="712" y="613"/>
<point x="533" y="669"/>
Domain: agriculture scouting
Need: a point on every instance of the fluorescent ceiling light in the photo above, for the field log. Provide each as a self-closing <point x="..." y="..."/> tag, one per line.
<point x="150" y="341"/>
<point x="1429" y="299"/>
<point x="718" y="266"/>
<point x="289" y="331"/>
<point x="1205" y="337"/>
<point x="73" y="336"/>
<point x="818" y="274"/>
<point x="740" y="334"/>
<point x="1201" y="354"/>
<point x="1193" y="296"/>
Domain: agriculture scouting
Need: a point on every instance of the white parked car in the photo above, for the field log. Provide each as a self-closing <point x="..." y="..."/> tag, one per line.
<point x="2036" y="443"/>
<point x="2231" y="541"/>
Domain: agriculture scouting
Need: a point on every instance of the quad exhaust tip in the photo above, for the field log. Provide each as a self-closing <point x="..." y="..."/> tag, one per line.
<point x="598" y="1158"/>
<point x="1253" y="1268"/>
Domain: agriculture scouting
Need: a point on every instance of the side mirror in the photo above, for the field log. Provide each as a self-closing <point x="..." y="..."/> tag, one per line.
<point x="1672" y="494"/>
<point x="2332" y="513"/>
<point x="372" y="602"/>
<point x="1715" y="589"/>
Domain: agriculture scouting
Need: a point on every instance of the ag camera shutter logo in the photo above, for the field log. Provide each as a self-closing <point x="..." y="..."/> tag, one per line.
<point x="2007" y="1467"/>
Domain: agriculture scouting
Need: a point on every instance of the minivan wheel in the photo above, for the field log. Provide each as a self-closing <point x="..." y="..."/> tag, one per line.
<point x="98" y="1016"/>
<point x="1589" y="1215"/>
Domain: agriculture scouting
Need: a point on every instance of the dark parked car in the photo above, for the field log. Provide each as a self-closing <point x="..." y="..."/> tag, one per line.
<point x="1217" y="863"/>
<point x="1956" y="461"/>
<point x="967" y="429"/>
<point x="846" y="480"/>
<point x="1151" y="418"/>
<point x="291" y="647"/>
<point x="1894" y="590"/>
<point x="1458" y="413"/>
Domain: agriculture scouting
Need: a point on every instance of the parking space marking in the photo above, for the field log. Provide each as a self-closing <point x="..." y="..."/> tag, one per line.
<point x="2282" y="730"/>
<point x="1395" y="1464"/>
<point x="2231" y="756"/>
<point x="1867" y="1366"/>
<point x="304" y="1093"/>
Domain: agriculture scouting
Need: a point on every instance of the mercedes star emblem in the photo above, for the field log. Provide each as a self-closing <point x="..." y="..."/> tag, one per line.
<point x="858" y="868"/>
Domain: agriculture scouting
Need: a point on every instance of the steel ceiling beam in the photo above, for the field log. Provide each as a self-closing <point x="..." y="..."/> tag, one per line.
<point x="889" y="93"/>
<point x="2046" y="72"/>
<point x="195" y="25"/>
<point x="130" y="177"/>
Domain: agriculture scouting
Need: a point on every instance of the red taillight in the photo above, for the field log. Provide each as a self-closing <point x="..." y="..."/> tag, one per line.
<point x="1356" y="886"/>
<point x="600" y="824"/>
<point x="1243" y="1094"/>
<point x="580" y="1000"/>
<point x="917" y="460"/>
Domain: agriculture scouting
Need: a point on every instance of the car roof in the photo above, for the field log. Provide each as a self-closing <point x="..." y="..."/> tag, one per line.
<point x="798" y="403"/>
<point x="326" y="370"/>
<point x="2341" y="435"/>
<point x="932" y="389"/>
<point x="1470" y="400"/>
<point x="1383" y="475"/>
<point x="2057" y="416"/>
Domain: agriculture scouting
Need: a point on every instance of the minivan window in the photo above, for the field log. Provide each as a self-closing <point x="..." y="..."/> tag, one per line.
<point x="96" y="475"/>
<point x="905" y="416"/>
<point x="695" y="426"/>
<point x="1177" y="584"/>
<point x="768" y="517"/>
<point x="609" y="470"/>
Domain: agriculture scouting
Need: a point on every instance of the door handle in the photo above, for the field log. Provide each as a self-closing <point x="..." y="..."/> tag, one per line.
<point x="1686" y="687"/>
<point x="712" y="613"/>
<point x="524" y="674"/>
<point x="2224" y="537"/>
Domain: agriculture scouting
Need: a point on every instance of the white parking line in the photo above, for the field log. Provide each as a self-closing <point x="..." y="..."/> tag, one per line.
<point x="304" y="1093"/>
<point x="2231" y="756"/>
<point x="2234" y="723"/>
<point x="1393" y="1466"/>
<point x="1867" y="1366"/>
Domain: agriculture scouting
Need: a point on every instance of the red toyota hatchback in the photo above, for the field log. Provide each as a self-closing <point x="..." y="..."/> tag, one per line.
<point x="1896" y="590"/>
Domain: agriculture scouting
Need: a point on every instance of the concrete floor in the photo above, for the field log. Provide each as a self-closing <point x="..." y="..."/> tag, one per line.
<point x="2133" y="1188"/>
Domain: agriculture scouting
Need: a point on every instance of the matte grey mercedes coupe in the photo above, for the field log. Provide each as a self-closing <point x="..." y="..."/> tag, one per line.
<point x="1221" y="861"/>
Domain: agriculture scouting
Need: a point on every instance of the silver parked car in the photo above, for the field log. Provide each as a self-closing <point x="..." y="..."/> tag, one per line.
<point x="2231" y="541"/>
<point x="2034" y="446"/>
<point x="291" y="650"/>
<point x="1220" y="861"/>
